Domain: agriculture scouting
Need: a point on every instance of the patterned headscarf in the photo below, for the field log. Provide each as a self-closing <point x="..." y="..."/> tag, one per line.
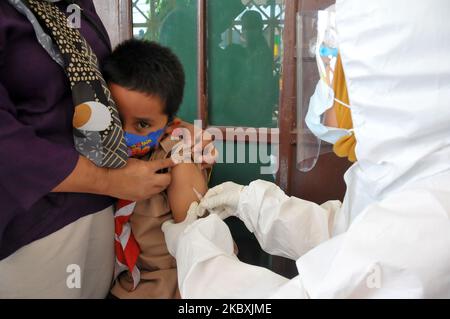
<point x="43" y="38"/>
<point x="97" y="128"/>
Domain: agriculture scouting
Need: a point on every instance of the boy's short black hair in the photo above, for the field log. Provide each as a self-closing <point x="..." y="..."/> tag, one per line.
<point x="149" y="68"/>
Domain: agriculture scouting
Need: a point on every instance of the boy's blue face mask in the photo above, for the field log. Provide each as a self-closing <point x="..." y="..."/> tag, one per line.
<point x="141" y="145"/>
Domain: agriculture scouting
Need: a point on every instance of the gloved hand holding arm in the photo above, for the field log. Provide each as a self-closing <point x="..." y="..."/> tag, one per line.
<point x="207" y="266"/>
<point x="284" y="226"/>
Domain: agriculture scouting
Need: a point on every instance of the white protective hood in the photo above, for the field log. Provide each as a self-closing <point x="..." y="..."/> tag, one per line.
<point x="395" y="218"/>
<point x="398" y="77"/>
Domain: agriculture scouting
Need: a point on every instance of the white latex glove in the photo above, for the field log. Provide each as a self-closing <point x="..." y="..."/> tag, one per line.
<point x="173" y="231"/>
<point x="223" y="200"/>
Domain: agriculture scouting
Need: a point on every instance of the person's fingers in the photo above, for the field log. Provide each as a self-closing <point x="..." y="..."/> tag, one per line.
<point x="192" y="214"/>
<point x="202" y="140"/>
<point x="166" y="225"/>
<point x="207" y="137"/>
<point x="214" y="191"/>
<point x="161" y="181"/>
<point x="201" y="211"/>
<point x="174" y="125"/>
<point x="214" y="202"/>
<point x="179" y="133"/>
<point x="210" y="156"/>
<point x="209" y="202"/>
<point x="206" y="166"/>
<point x="207" y="142"/>
<point x="161" y="164"/>
<point x="193" y="208"/>
<point x="198" y="210"/>
<point x="132" y="161"/>
<point x="220" y="211"/>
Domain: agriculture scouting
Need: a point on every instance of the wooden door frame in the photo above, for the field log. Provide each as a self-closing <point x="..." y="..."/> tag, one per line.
<point x="288" y="99"/>
<point x="116" y="16"/>
<point x="125" y="19"/>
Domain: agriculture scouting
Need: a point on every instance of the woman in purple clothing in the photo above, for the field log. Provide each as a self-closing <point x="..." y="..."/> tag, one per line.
<point x="56" y="221"/>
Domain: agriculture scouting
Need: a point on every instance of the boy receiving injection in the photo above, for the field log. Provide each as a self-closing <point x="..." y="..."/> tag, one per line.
<point x="147" y="83"/>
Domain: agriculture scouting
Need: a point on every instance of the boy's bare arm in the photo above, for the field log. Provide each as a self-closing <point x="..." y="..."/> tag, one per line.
<point x="185" y="177"/>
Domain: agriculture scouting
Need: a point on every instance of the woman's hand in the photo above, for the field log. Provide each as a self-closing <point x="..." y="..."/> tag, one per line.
<point x="202" y="146"/>
<point x="138" y="180"/>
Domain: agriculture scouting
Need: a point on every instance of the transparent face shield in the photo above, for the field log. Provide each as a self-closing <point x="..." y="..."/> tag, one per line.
<point x="317" y="53"/>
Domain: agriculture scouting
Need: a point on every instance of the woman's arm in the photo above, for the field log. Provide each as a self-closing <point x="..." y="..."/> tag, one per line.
<point x="31" y="167"/>
<point x="137" y="181"/>
<point x="185" y="178"/>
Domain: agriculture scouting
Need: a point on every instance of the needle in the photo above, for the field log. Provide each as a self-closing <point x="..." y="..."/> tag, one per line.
<point x="198" y="194"/>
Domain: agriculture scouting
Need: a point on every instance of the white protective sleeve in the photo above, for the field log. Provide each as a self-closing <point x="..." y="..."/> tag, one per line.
<point x="208" y="268"/>
<point x="288" y="227"/>
<point x="285" y="226"/>
<point x="397" y="248"/>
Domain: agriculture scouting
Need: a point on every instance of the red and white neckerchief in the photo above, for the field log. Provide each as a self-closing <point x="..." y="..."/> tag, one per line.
<point x="126" y="247"/>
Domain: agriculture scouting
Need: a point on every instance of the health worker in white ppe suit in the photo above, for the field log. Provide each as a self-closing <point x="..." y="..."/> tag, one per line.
<point x="390" y="238"/>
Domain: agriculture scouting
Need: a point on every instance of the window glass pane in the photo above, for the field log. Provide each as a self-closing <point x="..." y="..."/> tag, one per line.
<point x="172" y="23"/>
<point x="244" y="59"/>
